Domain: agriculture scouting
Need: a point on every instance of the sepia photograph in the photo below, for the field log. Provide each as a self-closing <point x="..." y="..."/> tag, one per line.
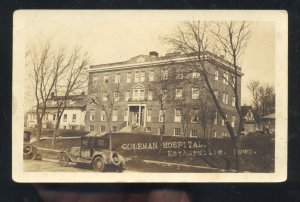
<point x="149" y="96"/>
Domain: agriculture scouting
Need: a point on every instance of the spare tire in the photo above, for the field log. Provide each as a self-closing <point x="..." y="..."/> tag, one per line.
<point x="27" y="149"/>
<point x="115" y="159"/>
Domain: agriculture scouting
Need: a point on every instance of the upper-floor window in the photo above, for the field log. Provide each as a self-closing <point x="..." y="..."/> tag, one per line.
<point x="91" y="128"/>
<point x="216" y="75"/>
<point x="161" y="115"/>
<point x="150" y="95"/>
<point x="223" y="121"/>
<point x="151" y="75"/>
<point x="116" y="96"/>
<point x="233" y="101"/>
<point x="138" y="93"/>
<point x="149" y="115"/>
<point x="102" y="115"/>
<point x="142" y="76"/>
<point x="194" y="133"/>
<point x="177" y="115"/>
<point x="95" y="80"/>
<point x="106" y="78"/>
<point x="195" y="93"/>
<point x="195" y="74"/>
<point x="127" y="95"/>
<point x="137" y="77"/>
<point x="215" y="133"/>
<point x="92" y="115"/>
<point x="225" y="78"/>
<point x="164" y="74"/>
<point x="115" y="115"/>
<point x="179" y="75"/>
<point x="74" y="118"/>
<point x="117" y="78"/>
<point x="225" y="98"/>
<point x="233" y="121"/>
<point x="178" y="93"/>
<point x="128" y="78"/>
<point x="195" y="116"/>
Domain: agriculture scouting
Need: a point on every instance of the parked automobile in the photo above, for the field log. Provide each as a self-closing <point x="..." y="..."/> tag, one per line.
<point x="93" y="150"/>
<point x="29" y="151"/>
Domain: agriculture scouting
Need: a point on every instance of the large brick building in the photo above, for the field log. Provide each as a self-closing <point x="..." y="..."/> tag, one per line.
<point x="124" y="99"/>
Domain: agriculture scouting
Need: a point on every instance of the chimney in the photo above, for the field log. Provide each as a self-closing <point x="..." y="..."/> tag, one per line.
<point x="153" y="54"/>
<point x="52" y="94"/>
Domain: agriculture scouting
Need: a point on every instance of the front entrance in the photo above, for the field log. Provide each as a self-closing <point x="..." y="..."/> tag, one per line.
<point x="136" y="115"/>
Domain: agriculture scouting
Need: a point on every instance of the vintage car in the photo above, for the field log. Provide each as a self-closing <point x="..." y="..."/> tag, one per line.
<point x="93" y="150"/>
<point x="29" y="151"/>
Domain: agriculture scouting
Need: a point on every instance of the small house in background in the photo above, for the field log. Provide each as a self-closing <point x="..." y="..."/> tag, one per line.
<point x="268" y="123"/>
<point x="249" y="123"/>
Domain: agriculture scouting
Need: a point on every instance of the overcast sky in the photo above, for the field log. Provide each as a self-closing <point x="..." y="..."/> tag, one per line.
<point x="108" y="38"/>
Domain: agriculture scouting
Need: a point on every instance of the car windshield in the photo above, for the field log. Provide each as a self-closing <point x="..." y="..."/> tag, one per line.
<point x="102" y="143"/>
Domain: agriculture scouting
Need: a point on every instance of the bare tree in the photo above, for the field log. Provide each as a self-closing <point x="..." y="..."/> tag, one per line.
<point x="194" y="39"/>
<point x="263" y="98"/>
<point x="45" y="73"/>
<point x="74" y="78"/>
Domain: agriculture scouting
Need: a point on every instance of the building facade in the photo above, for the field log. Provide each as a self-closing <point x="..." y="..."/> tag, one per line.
<point x="126" y="96"/>
<point x="72" y="118"/>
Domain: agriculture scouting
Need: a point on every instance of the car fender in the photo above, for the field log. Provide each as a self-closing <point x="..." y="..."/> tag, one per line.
<point x="102" y="155"/>
<point x="65" y="152"/>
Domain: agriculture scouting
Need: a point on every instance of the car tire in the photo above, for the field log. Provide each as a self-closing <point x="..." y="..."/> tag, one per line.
<point x="115" y="159"/>
<point x="98" y="164"/>
<point x="63" y="160"/>
<point x="27" y="149"/>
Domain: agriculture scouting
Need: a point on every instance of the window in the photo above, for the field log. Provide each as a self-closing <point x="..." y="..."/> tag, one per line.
<point x="127" y="95"/>
<point x="91" y="128"/>
<point x="151" y="75"/>
<point x="115" y="115"/>
<point x="102" y="128"/>
<point x="233" y="121"/>
<point x="125" y="114"/>
<point x="177" y="115"/>
<point x="195" y="93"/>
<point x="128" y="79"/>
<point x="92" y="115"/>
<point x="216" y="94"/>
<point x="95" y="80"/>
<point x="223" y="121"/>
<point x="195" y="74"/>
<point x="225" y="98"/>
<point x="216" y="118"/>
<point x="164" y="74"/>
<point x="73" y="127"/>
<point x="142" y="76"/>
<point x="216" y="75"/>
<point x="102" y="115"/>
<point x="233" y="101"/>
<point x="179" y="75"/>
<point x="117" y="78"/>
<point x="150" y="95"/>
<point x="148" y="129"/>
<point x="215" y="133"/>
<point x="161" y="115"/>
<point x="65" y="127"/>
<point x="224" y="134"/>
<point x="106" y="78"/>
<point x="114" y="129"/>
<point x="74" y="118"/>
<point x="225" y="78"/>
<point x="137" y="77"/>
<point x="138" y="94"/>
<point x="142" y="94"/>
<point x="193" y="133"/>
<point x="149" y="115"/>
<point x="160" y="131"/>
<point x="195" y="116"/>
<point x="178" y="93"/>
<point x="104" y="97"/>
<point x="65" y="117"/>
<point x="54" y="116"/>
<point x="177" y="131"/>
<point x="116" y="96"/>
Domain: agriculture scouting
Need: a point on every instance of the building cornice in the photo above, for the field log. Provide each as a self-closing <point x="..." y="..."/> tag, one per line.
<point x="104" y="68"/>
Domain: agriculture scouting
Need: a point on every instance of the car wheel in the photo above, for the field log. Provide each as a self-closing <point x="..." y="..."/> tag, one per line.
<point x="64" y="160"/>
<point x="27" y="149"/>
<point x="98" y="164"/>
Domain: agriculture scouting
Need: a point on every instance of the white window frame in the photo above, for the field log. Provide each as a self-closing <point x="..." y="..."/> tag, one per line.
<point x="104" y="97"/>
<point x="149" y="115"/>
<point x="127" y="95"/>
<point x="147" y="129"/>
<point x="128" y="77"/>
<point x="102" y="115"/>
<point x="179" y="92"/>
<point x="137" y="76"/>
<point x="216" y="118"/>
<point x="161" y="116"/>
<point x="233" y="101"/>
<point x="65" y="118"/>
<point x="117" y="78"/>
<point x="151" y="75"/>
<point x="142" y="76"/>
<point x="176" y="131"/>
<point x="233" y="121"/>
<point x="116" y="96"/>
<point x="95" y="80"/>
<point x="177" y="117"/>
<point x="114" y="115"/>
<point x="74" y="119"/>
<point x="150" y="95"/>
<point x="215" y="133"/>
<point x="195" y="74"/>
<point x="106" y="78"/>
<point x="194" y="133"/>
<point x="92" y="115"/>
<point x="195" y="116"/>
<point x="195" y="95"/>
